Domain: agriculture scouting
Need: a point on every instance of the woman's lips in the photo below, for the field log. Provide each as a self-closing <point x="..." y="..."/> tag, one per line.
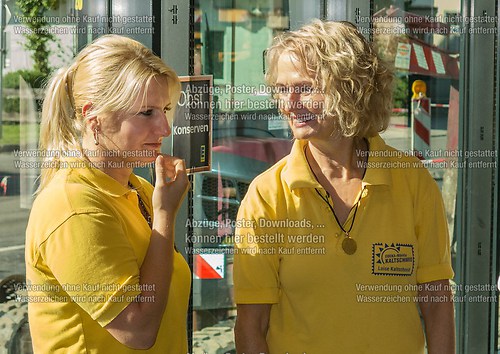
<point x="153" y="145"/>
<point x="303" y="118"/>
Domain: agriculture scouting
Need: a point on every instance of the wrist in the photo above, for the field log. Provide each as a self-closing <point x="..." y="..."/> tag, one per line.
<point x="163" y="219"/>
<point x="165" y="212"/>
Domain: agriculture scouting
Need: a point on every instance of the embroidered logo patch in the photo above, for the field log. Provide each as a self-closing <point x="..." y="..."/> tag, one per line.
<point x="393" y="259"/>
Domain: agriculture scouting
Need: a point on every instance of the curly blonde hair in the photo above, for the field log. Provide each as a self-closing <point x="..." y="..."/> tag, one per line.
<point x="356" y="84"/>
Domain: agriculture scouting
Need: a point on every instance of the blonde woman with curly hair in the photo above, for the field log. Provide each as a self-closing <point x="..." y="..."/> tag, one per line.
<point x="103" y="274"/>
<point x="345" y="238"/>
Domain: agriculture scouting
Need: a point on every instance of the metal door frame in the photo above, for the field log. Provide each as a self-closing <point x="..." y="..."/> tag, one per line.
<point x="477" y="194"/>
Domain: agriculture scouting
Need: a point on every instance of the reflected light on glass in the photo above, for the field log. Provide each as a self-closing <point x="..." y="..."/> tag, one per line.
<point x="233" y="15"/>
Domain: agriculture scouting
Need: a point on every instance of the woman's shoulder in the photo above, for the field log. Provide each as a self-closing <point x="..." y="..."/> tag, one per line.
<point x="270" y="180"/>
<point x="266" y="191"/>
<point x="66" y="194"/>
<point x="57" y="203"/>
<point x="404" y="168"/>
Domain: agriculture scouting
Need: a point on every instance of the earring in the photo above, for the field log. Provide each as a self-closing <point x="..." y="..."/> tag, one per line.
<point x="96" y="136"/>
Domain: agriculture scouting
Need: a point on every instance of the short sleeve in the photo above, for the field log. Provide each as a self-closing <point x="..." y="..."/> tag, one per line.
<point x="256" y="260"/>
<point x="434" y="258"/>
<point x="91" y="258"/>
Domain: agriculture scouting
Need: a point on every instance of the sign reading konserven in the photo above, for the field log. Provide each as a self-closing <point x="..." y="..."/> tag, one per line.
<point x="192" y="125"/>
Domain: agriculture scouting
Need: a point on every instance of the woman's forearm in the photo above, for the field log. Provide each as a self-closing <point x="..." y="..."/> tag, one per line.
<point x="138" y="324"/>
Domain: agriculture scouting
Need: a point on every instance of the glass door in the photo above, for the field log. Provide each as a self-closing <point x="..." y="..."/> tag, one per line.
<point x="444" y="52"/>
<point x="230" y="38"/>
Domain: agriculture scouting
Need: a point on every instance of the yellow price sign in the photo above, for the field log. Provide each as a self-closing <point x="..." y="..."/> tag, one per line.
<point x="78" y="5"/>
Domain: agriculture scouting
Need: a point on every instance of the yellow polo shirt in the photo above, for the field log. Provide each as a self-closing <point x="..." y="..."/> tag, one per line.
<point x="85" y="243"/>
<point x="289" y="254"/>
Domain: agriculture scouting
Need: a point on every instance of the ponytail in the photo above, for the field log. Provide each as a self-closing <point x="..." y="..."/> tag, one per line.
<point x="60" y="128"/>
<point x="109" y="73"/>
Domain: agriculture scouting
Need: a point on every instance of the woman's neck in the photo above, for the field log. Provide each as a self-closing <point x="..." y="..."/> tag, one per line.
<point x="339" y="158"/>
<point x="114" y="167"/>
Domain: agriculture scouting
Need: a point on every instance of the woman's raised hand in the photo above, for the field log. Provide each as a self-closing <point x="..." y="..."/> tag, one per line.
<point x="168" y="195"/>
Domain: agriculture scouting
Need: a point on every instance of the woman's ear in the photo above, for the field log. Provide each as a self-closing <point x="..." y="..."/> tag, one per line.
<point x="85" y="110"/>
<point x="90" y="121"/>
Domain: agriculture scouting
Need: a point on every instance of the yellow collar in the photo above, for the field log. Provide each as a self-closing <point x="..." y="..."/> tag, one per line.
<point x="298" y="174"/>
<point x="100" y="180"/>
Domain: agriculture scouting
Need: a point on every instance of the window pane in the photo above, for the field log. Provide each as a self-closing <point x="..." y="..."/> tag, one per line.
<point x="249" y="136"/>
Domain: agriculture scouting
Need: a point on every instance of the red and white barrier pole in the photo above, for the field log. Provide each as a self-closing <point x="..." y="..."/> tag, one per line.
<point x="421" y="120"/>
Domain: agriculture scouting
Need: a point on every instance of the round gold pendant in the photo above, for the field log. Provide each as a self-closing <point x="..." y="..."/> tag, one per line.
<point x="349" y="245"/>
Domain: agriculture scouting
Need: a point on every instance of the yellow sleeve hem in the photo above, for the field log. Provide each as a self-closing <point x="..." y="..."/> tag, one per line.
<point x="117" y="302"/>
<point x="434" y="272"/>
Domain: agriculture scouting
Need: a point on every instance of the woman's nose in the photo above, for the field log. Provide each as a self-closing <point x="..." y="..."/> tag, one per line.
<point x="290" y="101"/>
<point x="164" y="127"/>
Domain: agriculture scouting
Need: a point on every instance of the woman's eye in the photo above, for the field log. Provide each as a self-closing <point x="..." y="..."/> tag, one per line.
<point x="147" y="112"/>
<point x="280" y="90"/>
<point x="299" y="90"/>
<point x="166" y="109"/>
<point x="305" y="89"/>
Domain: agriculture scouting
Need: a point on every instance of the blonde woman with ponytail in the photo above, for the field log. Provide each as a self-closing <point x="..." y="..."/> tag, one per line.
<point x="103" y="273"/>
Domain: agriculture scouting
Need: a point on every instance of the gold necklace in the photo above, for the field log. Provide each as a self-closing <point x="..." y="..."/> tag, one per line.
<point x="349" y="245"/>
